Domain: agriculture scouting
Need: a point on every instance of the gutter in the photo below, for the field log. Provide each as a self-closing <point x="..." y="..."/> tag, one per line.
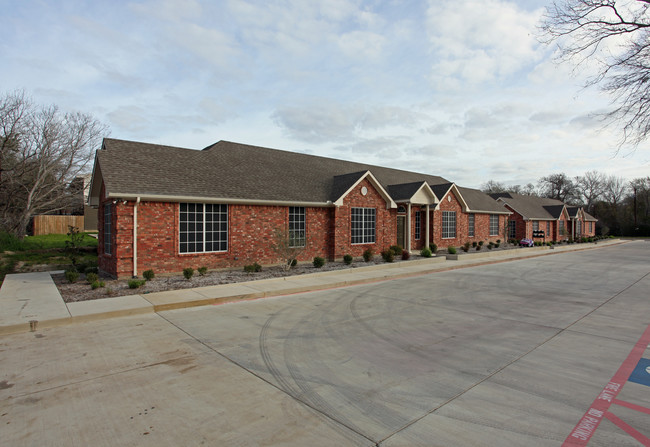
<point x="135" y="237"/>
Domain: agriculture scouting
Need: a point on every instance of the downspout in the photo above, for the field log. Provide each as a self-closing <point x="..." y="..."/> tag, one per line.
<point x="135" y="237"/>
<point x="408" y="229"/>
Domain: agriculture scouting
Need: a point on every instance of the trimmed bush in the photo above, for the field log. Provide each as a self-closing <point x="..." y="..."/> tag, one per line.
<point x="498" y="242"/>
<point x="97" y="284"/>
<point x="188" y="272"/>
<point x="202" y="271"/>
<point x="474" y="244"/>
<point x="406" y="255"/>
<point x="252" y="268"/>
<point x="148" y="275"/>
<point x="451" y="250"/>
<point x="347" y="259"/>
<point x="136" y="283"/>
<point x="368" y="255"/>
<point x="480" y="243"/>
<point x="388" y="255"/>
<point x="91" y="277"/>
<point x="478" y="247"/>
<point x="433" y="247"/>
<point x="466" y="247"/>
<point x="397" y="249"/>
<point x="490" y="246"/>
<point x="293" y="263"/>
<point x="71" y="275"/>
<point x="318" y="262"/>
<point x="91" y="269"/>
<point x="497" y="245"/>
<point x="426" y="252"/>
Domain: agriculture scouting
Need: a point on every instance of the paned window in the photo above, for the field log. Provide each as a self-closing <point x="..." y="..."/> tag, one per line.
<point x="108" y="228"/>
<point x="448" y="224"/>
<point x="536" y="225"/>
<point x="297" y="228"/>
<point x="562" y="231"/>
<point x="418" y="225"/>
<point x="548" y="227"/>
<point x="578" y="228"/>
<point x="512" y="229"/>
<point x="591" y="227"/>
<point x="470" y="226"/>
<point x="494" y="225"/>
<point x="203" y="227"/>
<point x="363" y="225"/>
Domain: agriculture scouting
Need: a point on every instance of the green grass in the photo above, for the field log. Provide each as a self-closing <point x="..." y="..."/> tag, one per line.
<point x="45" y="249"/>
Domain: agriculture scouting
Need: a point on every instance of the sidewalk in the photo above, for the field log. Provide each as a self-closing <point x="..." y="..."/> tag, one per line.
<point x="30" y="301"/>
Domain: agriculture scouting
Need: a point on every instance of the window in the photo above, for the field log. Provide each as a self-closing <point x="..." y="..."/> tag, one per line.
<point x="512" y="229"/>
<point x="418" y="225"/>
<point x="536" y="225"/>
<point x="470" y="227"/>
<point x="562" y="231"/>
<point x="591" y="227"/>
<point x="448" y="224"/>
<point x="363" y="225"/>
<point x="548" y="227"/>
<point x="203" y="227"/>
<point x="494" y="225"/>
<point x="297" y="226"/>
<point x="578" y="228"/>
<point x="107" y="228"/>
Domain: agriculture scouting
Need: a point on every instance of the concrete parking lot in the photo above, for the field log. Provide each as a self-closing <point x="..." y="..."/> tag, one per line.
<point x="529" y="352"/>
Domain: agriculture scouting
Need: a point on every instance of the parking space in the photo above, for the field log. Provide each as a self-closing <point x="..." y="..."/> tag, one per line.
<point x="513" y="353"/>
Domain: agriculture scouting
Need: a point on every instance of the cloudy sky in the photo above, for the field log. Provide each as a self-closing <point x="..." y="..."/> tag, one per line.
<point x="458" y="89"/>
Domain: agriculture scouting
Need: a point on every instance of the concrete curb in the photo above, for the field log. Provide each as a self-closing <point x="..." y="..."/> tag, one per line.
<point x="84" y="311"/>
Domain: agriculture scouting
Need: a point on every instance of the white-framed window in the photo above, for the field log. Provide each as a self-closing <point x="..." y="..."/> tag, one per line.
<point x="578" y="228"/>
<point x="363" y="222"/>
<point x="297" y="226"/>
<point x="494" y="224"/>
<point x="512" y="229"/>
<point x="470" y="225"/>
<point x="418" y="225"/>
<point x="536" y="225"/>
<point x="548" y="227"/>
<point x="448" y="224"/>
<point x="108" y="228"/>
<point x="591" y="227"/>
<point x="562" y="230"/>
<point x="203" y="228"/>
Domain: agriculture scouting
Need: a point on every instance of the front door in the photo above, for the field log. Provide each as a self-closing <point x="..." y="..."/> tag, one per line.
<point x="401" y="231"/>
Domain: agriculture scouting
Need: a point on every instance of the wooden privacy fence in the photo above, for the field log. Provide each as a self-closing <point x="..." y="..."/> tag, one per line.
<point x="45" y="224"/>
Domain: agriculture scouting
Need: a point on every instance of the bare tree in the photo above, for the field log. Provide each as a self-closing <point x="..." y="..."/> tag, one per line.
<point x="558" y="186"/>
<point x="615" y="190"/>
<point x="42" y="151"/>
<point x="287" y="246"/>
<point x="614" y="35"/>
<point x="493" y="187"/>
<point x="590" y="187"/>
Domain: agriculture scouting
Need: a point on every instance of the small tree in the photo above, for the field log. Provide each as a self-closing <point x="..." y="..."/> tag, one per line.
<point x="73" y="244"/>
<point x="287" y="247"/>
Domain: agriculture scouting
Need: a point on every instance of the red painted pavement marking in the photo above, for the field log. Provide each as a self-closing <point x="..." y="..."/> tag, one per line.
<point x="588" y="424"/>
<point x="620" y="423"/>
<point x="639" y="408"/>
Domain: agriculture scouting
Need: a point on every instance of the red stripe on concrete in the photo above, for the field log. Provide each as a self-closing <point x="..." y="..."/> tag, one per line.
<point x="627" y="428"/>
<point x="582" y="433"/>
<point x="635" y="407"/>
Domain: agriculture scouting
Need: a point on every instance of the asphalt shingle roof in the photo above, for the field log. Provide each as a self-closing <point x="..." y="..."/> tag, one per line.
<point x="532" y="207"/>
<point x="227" y="170"/>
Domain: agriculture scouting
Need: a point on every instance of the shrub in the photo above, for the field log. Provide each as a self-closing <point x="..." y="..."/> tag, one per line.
<point x="252" y="268"/>
<point x="188" y="272"/>
<point x="474" y="244"/>
<point x="497" y="245"/>
<point x="466" y="247"/>
<point x="347" y="259"/>
<point x="388" y="255"/>
<point x="433" y="247"/>
<point x="397" y="249"/>
<point x="498" y="241"/>
<point x="319" y="262"/>
<point x="71" y="275"/>
<point x="91" y="277"/>
<point x="148" y="275"/>
<point x="293" y="263"/>
<point x="490" y="246"/>
<point x="451" y="250"/>
<point x="202" y="270"/>
<point x="368" y="255"/>
<point x="137" y="283"/>
<point x="97" y="284"/>
<point x="91" y="269"/>
<point x="480" y="243"/>
<point x="426" y="252"/>
<point x="406" y="255"/>
<point x="478" y="247"/>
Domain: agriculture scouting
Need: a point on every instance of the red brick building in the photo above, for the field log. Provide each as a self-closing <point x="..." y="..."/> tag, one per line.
<point x="167" y="208"/>
<point x="532" y="214"/>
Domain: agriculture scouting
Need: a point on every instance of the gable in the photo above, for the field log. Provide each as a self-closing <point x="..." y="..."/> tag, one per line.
<point x="372" y="181"/>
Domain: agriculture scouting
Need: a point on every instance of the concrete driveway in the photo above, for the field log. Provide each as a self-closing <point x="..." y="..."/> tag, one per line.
<point x="531" y="352"/>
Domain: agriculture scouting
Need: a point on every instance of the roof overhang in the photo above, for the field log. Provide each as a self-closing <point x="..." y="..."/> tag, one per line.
<point x="200" y="199"/>
<point x="453" y="188"/>
<point x="390" y="203"/>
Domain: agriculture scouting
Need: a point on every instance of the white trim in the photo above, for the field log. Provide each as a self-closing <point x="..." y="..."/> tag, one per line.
<point x="371" y="178"/>
<point x="198" y="199"/>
